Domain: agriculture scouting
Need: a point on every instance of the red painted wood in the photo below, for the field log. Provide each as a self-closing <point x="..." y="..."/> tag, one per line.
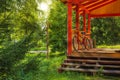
<point x="77" y="17"/>
<point x="93" y="4"/>
<point x="81" y="1"/>
<point x="89" y="23"/>
<point x="102" y="4"/>
<point x="97" y="4"/>
<point x="69" y="29"/>
<point x="89" y="2"/>
<point x="84" y="21"/>
<point x="69" y="1"/>
<point x="105" y="15"/>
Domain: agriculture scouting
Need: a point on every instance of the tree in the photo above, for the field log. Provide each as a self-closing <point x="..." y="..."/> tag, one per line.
<point x="20" y="29"/>
<point x="58" y="27"/>
<point x="106" y="30"/>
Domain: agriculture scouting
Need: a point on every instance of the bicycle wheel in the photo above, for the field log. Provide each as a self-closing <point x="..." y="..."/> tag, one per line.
<point x="91" y="43"/>
<point x="76" y="44"/>
<point x="87" y="44"/>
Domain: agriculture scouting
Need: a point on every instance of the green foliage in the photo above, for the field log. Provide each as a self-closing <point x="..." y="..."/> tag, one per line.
<point x="32" y="65"/>
<point x="21" y="28"/>
<point x="106" y="30"/>
<point x="19" y="32"/>
<point x="47" y="70"/>
<point x="13" y="53"/>
<point x="25" y="69"/>
<point x="58" y="26"/>
<point x="109" y="46"/>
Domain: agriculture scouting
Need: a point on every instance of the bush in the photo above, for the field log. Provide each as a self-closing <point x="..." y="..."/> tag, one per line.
<point x="32" y="65"/>
<point x="12" y="54"/>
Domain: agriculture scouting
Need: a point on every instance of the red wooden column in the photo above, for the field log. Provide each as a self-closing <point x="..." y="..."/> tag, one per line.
<point x="77" y="17"/>
<point x="89" y="24"/>
<point x="69" y="28"/>
<point x="84" y="21"/>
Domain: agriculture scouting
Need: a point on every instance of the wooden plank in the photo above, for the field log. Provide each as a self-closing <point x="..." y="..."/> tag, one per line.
<point x="93" y="61"/>
<point x="69" y="29"/>
<point x="110" y="53"/>
<point x="92" y="70"/>
<point x="91" y="65"/>
<point x="92" y="57"/>
<point x="100" y="51"/>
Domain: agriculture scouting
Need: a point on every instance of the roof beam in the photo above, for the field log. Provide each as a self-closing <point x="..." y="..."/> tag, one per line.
<point x="91" y="5"/>
<point x="96" y="5"/>
<point x="106" y="15"/>
<point x="100" y="5"/>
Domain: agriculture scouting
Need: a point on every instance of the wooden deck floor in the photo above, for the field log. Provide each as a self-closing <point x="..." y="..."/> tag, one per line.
<point x="97" y="52"/>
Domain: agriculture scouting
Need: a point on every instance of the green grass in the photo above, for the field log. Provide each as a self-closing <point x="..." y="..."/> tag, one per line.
<point x="46" y="69"/>
<point x="109" y="46"/>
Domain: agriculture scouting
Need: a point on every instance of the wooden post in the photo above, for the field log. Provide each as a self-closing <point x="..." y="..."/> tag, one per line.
<point x="77" y="22"/>
<point x="77" y="17"/>
<point x="89" y="24"/>
<point x="69" y="29"/>
<point x="47" y="45"/>
<point x="84" y="21"/>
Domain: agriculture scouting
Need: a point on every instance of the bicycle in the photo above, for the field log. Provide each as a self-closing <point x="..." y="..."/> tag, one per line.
<point x="81" y="41"/>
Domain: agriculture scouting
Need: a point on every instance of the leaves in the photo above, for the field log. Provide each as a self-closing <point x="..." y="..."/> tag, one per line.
<point x="106" y="30"/>
<point x="19" y="25"/>
<point x="58" y="26"/>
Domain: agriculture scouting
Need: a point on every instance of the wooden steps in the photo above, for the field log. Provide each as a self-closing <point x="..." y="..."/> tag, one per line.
<point x="92" y="65"/>
<point x="92" y="70"/>
<point x="92" y="61"/>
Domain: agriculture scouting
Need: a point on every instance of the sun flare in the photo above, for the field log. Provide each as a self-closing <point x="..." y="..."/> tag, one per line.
<point x="43" y="6"/>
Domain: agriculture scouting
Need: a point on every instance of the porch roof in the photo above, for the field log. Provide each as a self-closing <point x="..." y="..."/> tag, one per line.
<point x="96" y="8"/>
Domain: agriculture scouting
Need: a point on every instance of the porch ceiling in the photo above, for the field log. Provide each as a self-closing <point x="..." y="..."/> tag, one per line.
<point x="96" y="8"/>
